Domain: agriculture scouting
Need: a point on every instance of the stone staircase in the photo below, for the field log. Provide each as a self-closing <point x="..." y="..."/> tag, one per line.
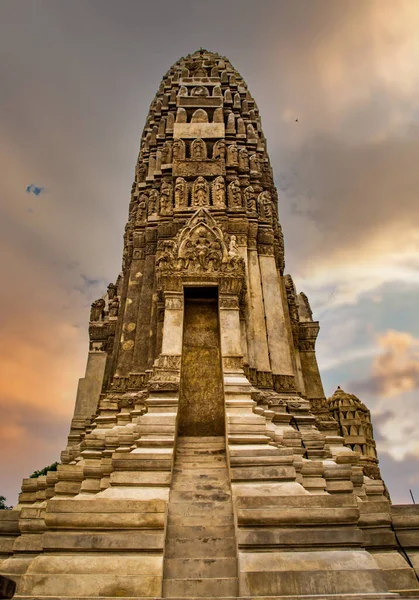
<point x="200" y="550"/>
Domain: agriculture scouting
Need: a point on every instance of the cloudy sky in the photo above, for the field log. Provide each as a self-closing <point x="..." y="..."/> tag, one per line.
<point x="77" y="79"/>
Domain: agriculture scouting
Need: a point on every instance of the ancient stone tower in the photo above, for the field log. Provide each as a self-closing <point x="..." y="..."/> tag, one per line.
<point x="203" y="458"/>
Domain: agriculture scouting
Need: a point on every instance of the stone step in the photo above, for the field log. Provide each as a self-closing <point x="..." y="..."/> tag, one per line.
<point x="200" y="567"/>
<point x="155" y="442"/>
<point x="206" y="588"/>
<point x="201" y="466"/>
<point x="200" y="547"/>
<point x="204" y="473"/>
<point x="200" y="486"/>
<point x="259" y="450"/>
<point x="175" y="530"/>
<point x="248" y="439"/>
<point x="208" y="510"/>
<point x="181" y="452"/>
<point x="213" y="495"/>
<point x="199" y="458"/>
<point x="201" y="520"/>
<point x="191" y="439"/>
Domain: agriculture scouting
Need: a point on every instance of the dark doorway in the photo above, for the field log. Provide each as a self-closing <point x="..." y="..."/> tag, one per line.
<point x="201" y="401"/>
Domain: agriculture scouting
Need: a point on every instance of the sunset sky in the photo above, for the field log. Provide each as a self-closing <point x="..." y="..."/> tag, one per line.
<point x="77" y="78"/>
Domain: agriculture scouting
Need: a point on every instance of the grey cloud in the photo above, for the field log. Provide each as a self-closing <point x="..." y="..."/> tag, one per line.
<point x="400" y="476"/>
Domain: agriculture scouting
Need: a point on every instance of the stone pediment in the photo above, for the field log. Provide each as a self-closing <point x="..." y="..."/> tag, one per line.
<point x="200" y="250"/>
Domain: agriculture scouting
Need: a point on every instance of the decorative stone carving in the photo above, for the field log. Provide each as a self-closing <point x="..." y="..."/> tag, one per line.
<point x="199" y="248"/>
<point x="232" y="362"/>
<point x="170" y="122"/>
<point x="178" y="149"/>
<point x="232" y="156"/>
<point x="112" y="291"/>
<point x="250" y="199"/>
<point x="200" y="91"/>
<point x="141" y="214"/>
<point x="243" y="160"/>
<point x="217" y="91"/>
<point x="231" y="124"/>
<point x="241" y="129"/>
<point x="166" y="199"/>
<point x="181" y="193"/>
<point x="228" y="99"/>
<point x="96" y="311"/>
<point x="174" y="303"/>
<point x="198" y="150"/>
<point x="199" y="116"/>
<point x="265" y="206"/>
<point x="153" y="202"/>
<point x="219" y="150"/>
<point x="219" y="193"/>
<point x="228" y="302"/>
<point x="284" y="383"/>
<point x="166" y="155"/>
<point x="114" y="308"/>
<point x="141" y="172"/>
<point x="218" y="116"/>
<point x="181" y="116"/>
<point x="293" y="307"/>
<point x="183" y="91"/>
<point x="200" y="192"/>
<point x="234" y="195"/>
<point x="254" y="165"/>
<point x="251" y="133"/>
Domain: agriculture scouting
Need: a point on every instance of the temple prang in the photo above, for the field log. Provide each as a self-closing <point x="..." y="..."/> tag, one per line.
<point x="203" y="458"/>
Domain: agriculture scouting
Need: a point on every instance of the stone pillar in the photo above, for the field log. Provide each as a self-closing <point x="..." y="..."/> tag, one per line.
<point x="230" y="334"/>
<point x="129" y="323"/>
<point x="246" y="317"/>
<point x="307" y="340"/>
<point x="278" y="341"/>
<point x="142" y="338"/>
<point x="173" y="324"/>
<point x="260" y="344"/>
<point x="90" y="386"/>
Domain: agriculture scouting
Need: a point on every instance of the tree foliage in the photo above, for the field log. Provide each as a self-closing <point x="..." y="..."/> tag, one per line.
<point x="45" y="470"/>
<point x="3" y="505"/>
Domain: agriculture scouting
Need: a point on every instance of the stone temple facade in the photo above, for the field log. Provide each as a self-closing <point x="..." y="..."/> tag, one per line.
<point x="203" y="458"/>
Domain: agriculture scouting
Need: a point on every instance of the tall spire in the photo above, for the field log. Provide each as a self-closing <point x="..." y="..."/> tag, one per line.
<point x="203" y="457"/>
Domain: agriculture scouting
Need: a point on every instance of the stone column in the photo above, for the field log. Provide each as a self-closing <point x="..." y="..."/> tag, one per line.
<point x="90" y="386"/>
<point x="307" y="340"/>
<point x="260" y="343"/>
<point x="245" y="318"/>
<point x="230" y="334"/>
<point x="278" y="341"/>
<point x="172" y="324"/>
<point x="129" y="322"/>
<point x="142" y="338"/>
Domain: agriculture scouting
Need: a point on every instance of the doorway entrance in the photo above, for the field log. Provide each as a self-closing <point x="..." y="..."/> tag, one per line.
<point x="201" y="400"/>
